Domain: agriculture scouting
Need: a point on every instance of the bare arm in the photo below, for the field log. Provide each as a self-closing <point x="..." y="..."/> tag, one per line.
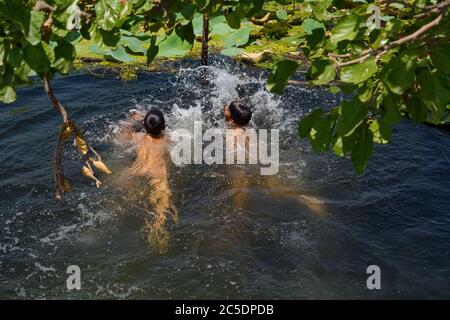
<point x="126" y="129"/>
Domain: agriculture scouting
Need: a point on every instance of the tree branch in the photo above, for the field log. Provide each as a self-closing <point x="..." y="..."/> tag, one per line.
<point x="60" y="179"/>
<point x="205" y="39"/>
<point x="378" y="52"/>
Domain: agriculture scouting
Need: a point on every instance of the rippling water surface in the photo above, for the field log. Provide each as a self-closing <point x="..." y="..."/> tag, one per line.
<point x="256" y="241"/>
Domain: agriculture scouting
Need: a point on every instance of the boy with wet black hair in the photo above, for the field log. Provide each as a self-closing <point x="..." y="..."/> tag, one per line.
<point x="237" y="114"/>
<point x="150" y="163"/>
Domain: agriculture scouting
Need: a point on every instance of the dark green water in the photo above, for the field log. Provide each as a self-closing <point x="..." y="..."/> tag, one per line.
<point x="396" y="215"/>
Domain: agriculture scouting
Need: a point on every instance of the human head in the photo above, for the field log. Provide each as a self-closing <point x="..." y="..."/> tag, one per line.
<point x="238" y="112"/>
<point x="154" y="122"/>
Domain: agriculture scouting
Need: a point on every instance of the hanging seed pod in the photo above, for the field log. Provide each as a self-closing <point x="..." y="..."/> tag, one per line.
<point x="68" y="130"/>
<point x="100" y="166"/>
<point x="87" y="172"/>
<point x="81" y="145"/>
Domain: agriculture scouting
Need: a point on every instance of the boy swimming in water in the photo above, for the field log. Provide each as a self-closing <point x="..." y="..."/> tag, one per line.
<point x="238" y="116"/>
<point x="150" y="146"/>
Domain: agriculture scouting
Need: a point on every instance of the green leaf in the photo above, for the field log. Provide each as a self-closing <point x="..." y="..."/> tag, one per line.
<point x="64" y="55"/>
<point x="320" y="134"/>
<point x="112" y="13"/>
<point x="440" y="56"/>
<point x="281" y="14"/>
<point x="197" y="23"/>
<point x="314" y="41"/>
<point x="319" y="9"/>
<point x="417" y="110"/>
<point x="318" y="127"/>
<point x="33" y="35"/>
<point x="231" y="51"/>
<point x="435" y="94"/>
<point x="108" y="38"/>
<point x="188" y="11"/>
<point x="15" y="57"/>
<point x="21" y="73"/>
<point x="381" y="131"/>
<point x="186" y="33"/>
<point x="307" y="123"/>
<point x="399" y="73"/>
<point x="120" y="54"/>
<point x="220" y="26"/>
<point x="239" y="37"/>
<point x="352" y="114"/>
<point x="278" y="79"/>
<point x="362" y="149"/>
<point x="234" y="20"/>
<point x="7" y="94"/>
<point x="390" y="113"/>
<point x="133" y="44"/>
<point x="360" y="72"/>
<point x="321" y="72"/>
<point x="365" y="91"/>
<point x="39" y="57"/>
<point x="173" y="46"/>
<point x="152" y="51"/>
<point x="346" y="29"/>
<point x="338" y="146"/>
<point x="2" y="51"/>
<point x="309" y="25"/>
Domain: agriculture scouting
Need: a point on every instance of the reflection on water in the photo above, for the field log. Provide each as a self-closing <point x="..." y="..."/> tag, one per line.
<point x="308" y="232"/>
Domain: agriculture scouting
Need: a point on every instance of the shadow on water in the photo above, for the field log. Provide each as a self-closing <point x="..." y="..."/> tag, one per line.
<point x="237" y="235"/>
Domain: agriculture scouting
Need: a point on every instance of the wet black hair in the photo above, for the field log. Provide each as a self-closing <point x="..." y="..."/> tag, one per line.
<point x="240" y="113"/>
<point x="154" y="122"/>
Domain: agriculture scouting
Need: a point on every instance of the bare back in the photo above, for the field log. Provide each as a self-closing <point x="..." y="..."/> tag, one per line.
<point x="150" y="157"/>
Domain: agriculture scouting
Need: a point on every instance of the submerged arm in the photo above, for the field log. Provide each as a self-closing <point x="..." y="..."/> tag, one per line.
<point x="314" y="204"/>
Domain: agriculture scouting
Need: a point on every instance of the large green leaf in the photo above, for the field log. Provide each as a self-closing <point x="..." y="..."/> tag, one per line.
<point x="346" y="29"/>
<point x="39" y="57"/>
<point x="120" y="54"/>
<point x="352" y="114"/>
<point x="64" y="55"/>
<point x="278" y="79"/>
<point x="441" y="59"/>
<point x="363" y="148"/>
<point x="231" y="51"/>
<point x="435" y="94"/>
<point x="133" y="44"/>
<point x="390" y="112"/>
<point x="281" y="14"/>
<point x="381" y="131"/>
<point x="321" y="72"/>
<point x="309" y="25"/>
<point x="238" y="38"/>
<point x="112" y="13"/>
<point x="173" y="46"/>
<point x="33" y="35"/>
<point x="7" y="94"/>
<point x="399" y="73"/>
<point x="318" y="127"/>
<point x="152" y="51"/>
<point x="307" y="123"/>
<point x="29" y="21"/>
<point x="234" y="19"/>
<point x="359" y="72"/>
<point x="220" y="26"/>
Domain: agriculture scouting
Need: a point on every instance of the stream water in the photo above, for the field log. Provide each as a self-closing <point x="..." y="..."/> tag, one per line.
<point x="266" y="245"/>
